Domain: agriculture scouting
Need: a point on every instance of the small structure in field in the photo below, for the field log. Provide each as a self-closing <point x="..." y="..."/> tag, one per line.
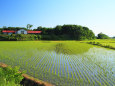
<point x="21" y="31"/>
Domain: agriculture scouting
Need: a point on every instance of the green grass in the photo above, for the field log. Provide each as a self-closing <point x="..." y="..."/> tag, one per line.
<point x="110" y="44"/>
<point x="66" y="63"/>
<point x="106" y="43"/>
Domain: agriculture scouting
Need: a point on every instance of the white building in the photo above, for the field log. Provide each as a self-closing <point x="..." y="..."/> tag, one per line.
<point x="21" y="31"/>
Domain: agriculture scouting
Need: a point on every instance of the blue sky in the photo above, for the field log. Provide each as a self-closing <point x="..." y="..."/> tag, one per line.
<point x="98" y="15"/>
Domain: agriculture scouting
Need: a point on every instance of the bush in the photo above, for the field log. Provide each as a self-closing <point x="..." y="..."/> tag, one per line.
<point x="23" y="37"/>
<point x="4" y="37"/>
<point x="10" y="76"/>
<point x="102" y="36"/>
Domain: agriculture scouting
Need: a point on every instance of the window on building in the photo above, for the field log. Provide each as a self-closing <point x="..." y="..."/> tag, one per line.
<point x="22" y="32"/>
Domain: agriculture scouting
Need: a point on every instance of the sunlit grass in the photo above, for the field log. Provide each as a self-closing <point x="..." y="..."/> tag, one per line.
<point x="61" y="62"/>
<point x="106" y="43"/>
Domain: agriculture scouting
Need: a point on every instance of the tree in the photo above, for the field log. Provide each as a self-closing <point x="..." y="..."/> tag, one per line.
<point x="102" y="36"/>
<point x="4" y="27"/>
<point x="1" y="30"/>
<point x="114" y="37"/>
<point x="58" y="30"/>
<point x="29" y="26"/>
<point x="39" y="28"/>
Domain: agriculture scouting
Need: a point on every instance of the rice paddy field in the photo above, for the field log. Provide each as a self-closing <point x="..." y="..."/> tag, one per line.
<point x="106" y="42"/>
<point x="62" y="63"/>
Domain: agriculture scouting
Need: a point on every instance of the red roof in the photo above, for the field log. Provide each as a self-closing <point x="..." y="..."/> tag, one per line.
<point x="34" y="31"/>
<point x="8" y="31"/>
<point x="11" y="31"/>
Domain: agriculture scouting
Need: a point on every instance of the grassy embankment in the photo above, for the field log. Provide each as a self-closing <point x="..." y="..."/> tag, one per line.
<point x="9" y="76"/>
<point x="106" y="43"/>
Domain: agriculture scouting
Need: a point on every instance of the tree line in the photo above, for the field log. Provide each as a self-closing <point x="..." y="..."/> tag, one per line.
<point x="60" y="32"/>
<point x="67" y="32"/>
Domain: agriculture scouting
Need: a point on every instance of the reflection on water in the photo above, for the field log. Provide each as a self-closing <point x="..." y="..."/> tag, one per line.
<point x="70" y="50"/>
<point x="59" y="48"/>
<point x="96" y="65"/>
<point x="64" y="64"/>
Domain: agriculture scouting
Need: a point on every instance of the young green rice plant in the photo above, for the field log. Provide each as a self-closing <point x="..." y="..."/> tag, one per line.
<point x="53" y="68"/>
<point x="71" y="75"/>
<point x="98" y="75"/>
<point x="48" y="61"/>
<point x="61" y="73"/>
<point x="93" y="83"/>
<point x="64" y="70"/>
<point x="99" y="83"/>
<point x="50" y="66"/>
<point x="68" y="73"/>
<point x="55" y="72"/>
<point x="87" y="74"/>
<point x="76" y="71"/>
<point x="104" y="78"/>
<point x="44" y="67"/>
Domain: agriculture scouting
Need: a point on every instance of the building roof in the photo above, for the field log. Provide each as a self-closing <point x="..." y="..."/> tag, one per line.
<point x="12" y="31"/>
<point x="8" y="31"/>
<point x="21" y="29"/>
<point x="34" y="31"/>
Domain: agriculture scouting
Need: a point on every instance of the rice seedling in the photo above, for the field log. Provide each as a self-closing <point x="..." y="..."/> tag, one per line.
<point x="75" y="63"/>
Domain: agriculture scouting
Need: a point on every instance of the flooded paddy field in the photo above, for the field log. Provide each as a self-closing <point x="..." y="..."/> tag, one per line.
<point x="62" y="63"/>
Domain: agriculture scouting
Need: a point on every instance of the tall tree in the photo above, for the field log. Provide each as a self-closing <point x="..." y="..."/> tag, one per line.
<point x="102" y="36"/>
<point x="29" y="26"/>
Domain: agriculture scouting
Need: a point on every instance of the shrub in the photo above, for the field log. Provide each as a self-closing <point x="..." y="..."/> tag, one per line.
<point x="23" y="37"/>
<point x="10" y="76"/>
<point x="102" y="36"/>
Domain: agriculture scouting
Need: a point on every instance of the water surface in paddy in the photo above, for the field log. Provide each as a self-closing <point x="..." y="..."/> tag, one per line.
<point x="65" y="65"/>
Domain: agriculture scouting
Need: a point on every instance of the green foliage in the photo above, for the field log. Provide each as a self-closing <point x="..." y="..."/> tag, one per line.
<point x="1" y="30"/>
<point x="102" y="36"/>
<point x="10" y="76"/>
<point x="65" y="32"/>
<point x="4" y="37"/>
<point x="39" y="37"/>
<point x="29" y="26"/>
<point x="19" y="37"/>
<point x="23" y="37"/>
<point x="58" y="29"/>
<point x="13" y="28"/>
<point x="71" y="32"/>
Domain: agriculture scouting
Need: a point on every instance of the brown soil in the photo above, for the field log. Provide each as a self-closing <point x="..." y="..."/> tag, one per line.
<point x="3" y="65"/>
<point x="30" y="81"/>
